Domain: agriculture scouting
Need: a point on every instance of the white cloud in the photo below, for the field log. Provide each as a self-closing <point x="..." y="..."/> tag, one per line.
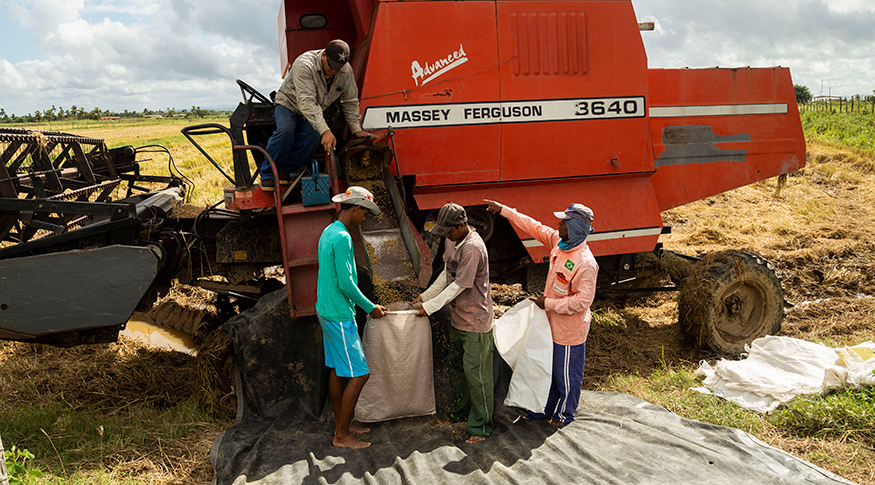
<point x="845" y="6"/>
<point x="129" y="7"/>
<point x="45" y="15"/>
<point x="133" y="54"/>
<point x="140" y="53"/>
<point x="790" y="33"/>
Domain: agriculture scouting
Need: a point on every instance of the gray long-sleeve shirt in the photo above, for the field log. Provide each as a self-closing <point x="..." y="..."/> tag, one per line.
<point x="305" y="91"/>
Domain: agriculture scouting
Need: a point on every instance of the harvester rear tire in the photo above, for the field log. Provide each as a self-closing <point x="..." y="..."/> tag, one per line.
<point x="729" y="300"/>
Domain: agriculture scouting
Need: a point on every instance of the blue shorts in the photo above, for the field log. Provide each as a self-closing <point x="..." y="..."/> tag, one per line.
<point x="343" y="348"/>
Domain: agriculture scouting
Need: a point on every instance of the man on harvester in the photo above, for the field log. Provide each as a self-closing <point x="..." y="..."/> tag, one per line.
<point x="317" y="79"/>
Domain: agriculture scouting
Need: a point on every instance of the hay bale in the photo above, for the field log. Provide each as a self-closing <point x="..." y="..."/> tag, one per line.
<point x="214" y="374"/>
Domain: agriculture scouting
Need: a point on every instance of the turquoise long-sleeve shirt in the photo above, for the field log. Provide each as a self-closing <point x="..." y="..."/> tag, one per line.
<point x="337" y="290"/>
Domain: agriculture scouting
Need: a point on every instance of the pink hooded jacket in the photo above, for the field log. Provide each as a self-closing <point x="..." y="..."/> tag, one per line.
<point x="571" y="281"/>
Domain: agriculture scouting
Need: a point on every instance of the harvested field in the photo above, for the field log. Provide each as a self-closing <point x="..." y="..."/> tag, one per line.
<point x="815" y="227"/>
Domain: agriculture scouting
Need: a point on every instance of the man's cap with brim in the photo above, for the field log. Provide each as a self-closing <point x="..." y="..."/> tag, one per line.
<point x="450" y="216"/>
<point x="337" y="55"/>
<point x="576" y="211"/>
<point x="356" y="195"/>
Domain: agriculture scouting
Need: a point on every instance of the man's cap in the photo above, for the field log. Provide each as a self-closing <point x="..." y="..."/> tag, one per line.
<point x="337" y="54"/>
<point x="450" y="216"/>
<point x="356" y="195"/>
<point x="576" y="211"/>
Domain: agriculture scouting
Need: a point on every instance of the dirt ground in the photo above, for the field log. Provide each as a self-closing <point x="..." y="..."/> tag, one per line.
<point x="815" y="227"/>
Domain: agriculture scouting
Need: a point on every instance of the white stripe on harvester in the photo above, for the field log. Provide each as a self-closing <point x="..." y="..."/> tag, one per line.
<point x="605" y="236"/>
<point x="718" y="110"/>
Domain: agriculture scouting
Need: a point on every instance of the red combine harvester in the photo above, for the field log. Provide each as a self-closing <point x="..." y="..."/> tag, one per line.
<point x="539" y="104"/>
<point x="535" y="104"/>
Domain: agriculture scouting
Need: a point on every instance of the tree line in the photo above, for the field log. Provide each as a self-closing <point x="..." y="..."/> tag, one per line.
<point x="803" y="95"/>
<point x="79" y="113"/>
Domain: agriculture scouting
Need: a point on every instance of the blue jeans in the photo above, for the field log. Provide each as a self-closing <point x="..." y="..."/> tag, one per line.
<point x="292" y="143"/>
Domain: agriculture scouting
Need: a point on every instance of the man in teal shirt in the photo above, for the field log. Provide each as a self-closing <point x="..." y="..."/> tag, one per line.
<point x="337" y="294"/>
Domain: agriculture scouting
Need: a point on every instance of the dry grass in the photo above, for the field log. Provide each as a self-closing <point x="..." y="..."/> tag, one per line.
<point x="816" y="228"/>
<point x="137" y="403"/>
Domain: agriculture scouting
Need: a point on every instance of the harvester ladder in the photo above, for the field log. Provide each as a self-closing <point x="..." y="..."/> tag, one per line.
<point x="300" y="228"/>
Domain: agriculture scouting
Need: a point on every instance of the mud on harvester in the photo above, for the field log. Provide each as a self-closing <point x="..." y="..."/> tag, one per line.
<point x="533" y="104"/>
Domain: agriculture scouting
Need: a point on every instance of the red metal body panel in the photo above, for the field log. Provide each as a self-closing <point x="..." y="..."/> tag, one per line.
<point x="302" y="227"/>
<point x="542" y="103"/>
<point x="579" y="51"/>
<point x="714" y="153"/>
<point x="463" y="32"/>
<point x="627" y="218"/>
<point x="251" y="198"/>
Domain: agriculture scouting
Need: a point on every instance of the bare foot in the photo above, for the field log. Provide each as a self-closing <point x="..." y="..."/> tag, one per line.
<point x="443" y="421"/>
<point x="350" y="441"/>
<point x="474" y="439"/>
<point x="358" y="429"/>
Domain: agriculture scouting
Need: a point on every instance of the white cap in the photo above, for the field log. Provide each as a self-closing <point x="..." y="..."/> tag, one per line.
<point x="576" y="211"/>
<point x="356" y="195"/>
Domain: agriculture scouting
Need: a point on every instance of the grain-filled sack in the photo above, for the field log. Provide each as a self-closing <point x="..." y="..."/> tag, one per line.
<point x="399" y="354"/>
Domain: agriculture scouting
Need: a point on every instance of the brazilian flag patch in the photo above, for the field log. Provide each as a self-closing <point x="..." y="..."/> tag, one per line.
<point x="569" y="265"/>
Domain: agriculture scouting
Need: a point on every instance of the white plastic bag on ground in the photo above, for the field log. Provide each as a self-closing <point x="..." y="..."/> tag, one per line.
<point x="855" y="368"/>
<point x="523" y="339"/>
<point x="399" y="353"/>
<point x="777" y="369"/>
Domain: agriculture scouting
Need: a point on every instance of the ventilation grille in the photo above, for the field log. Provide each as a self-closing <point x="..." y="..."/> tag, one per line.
<point x="548" y="43"/>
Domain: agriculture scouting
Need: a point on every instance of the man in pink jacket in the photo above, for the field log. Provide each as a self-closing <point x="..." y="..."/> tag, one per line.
<point x="568" y="294"/>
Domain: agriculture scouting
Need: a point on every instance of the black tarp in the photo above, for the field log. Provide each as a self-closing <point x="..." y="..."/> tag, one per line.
<point x="284" y="428"/>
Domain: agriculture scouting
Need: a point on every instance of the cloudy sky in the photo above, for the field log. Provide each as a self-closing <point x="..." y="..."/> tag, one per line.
<point x="158" y="54"/>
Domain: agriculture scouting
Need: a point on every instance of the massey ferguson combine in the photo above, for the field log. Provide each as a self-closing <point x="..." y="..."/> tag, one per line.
<point x="532" y="103"/>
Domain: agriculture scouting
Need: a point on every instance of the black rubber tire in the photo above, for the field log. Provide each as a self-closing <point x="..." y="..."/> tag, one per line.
<point x="729" y="300"/>
<point x="482" y="220"/>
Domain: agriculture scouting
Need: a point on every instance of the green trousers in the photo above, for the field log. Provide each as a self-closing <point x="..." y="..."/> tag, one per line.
<point x="469" y="363"/>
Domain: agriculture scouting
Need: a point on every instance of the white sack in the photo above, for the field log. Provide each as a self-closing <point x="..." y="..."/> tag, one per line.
<point x="777" y="369"/>
<point x="523" y="338"/>
<point x="855" y="369"/>
<point x="399" y="354"/>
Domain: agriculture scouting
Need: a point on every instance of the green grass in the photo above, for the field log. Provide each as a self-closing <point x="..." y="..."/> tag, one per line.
<point x="855" y="130"/>
<point x="671" y="388"/>
<point x="80" y="445"/>
<point x="848" y="414"/>
<point x="106" y="414"/>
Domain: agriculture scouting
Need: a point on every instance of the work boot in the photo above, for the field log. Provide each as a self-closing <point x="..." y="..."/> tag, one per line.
<point x="285" y="179"/>
<point x="268" y="185"/>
